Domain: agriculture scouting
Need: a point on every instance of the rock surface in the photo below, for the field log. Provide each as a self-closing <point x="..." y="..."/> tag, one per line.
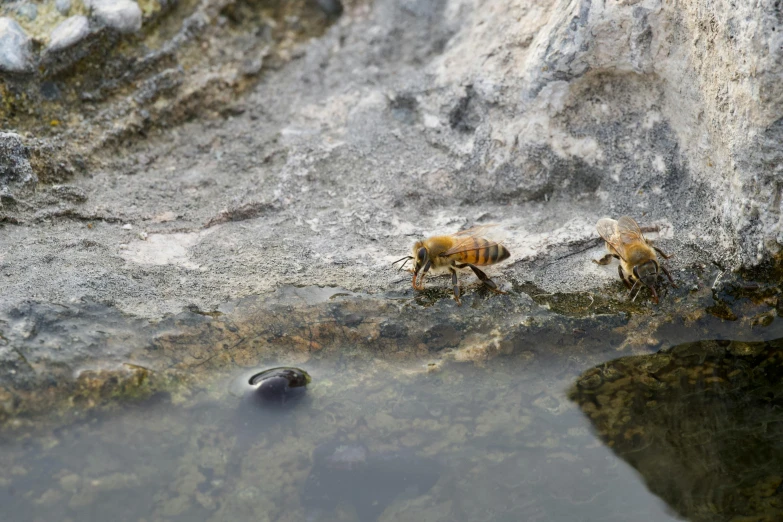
<point x="403" y="120"/>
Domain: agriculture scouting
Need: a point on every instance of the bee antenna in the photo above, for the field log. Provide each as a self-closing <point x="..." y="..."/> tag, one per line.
<point x="406" y="259"/>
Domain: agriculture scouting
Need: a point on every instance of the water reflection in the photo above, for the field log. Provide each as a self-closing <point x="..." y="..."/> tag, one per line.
<point x="701" y="422"/>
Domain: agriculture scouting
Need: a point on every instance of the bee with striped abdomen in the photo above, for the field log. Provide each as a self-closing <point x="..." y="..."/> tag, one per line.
<point x="638" y="262"/>
<point x="465" y="249"/>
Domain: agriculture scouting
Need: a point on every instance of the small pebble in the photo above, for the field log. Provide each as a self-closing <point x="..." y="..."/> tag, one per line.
<point x="49" y="91"/>
<point x="29" y="11"/>
<point x="331" y="7"/>
<point x="127" y="226"/>
<point x="15" y="54"/>
<point x="277" y="386"/>
<point x="69" y="32"/>
<point x="121" y="15"/>
<point x="63" y="6"/>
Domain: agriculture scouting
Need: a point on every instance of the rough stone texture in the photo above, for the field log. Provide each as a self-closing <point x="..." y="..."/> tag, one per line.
<point x="15" y="170"/>
<point x="69" y="33"/>
<point x="15" y="55"/>
<point x="412" y="118"/>
<point x="121" y="15"/>
<point x="669" y="109"/>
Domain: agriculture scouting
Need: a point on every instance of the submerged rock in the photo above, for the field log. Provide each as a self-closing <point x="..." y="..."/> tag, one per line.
<point x="278" y="386"/>
<point x="701" y="422"/>
<point x="15" y="53"/>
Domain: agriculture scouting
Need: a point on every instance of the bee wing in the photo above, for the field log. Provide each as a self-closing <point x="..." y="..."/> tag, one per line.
<point x="464" y="239"/>
<point x="477" y="231"/>
<point x="628" y="230"/>
<point x="608" y="230"/>
<point x="619" y="234"/>
<point x="467" y="244"/>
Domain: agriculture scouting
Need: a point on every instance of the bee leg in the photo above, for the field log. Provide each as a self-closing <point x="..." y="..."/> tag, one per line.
<point x="604" y="260"/>
<point x="483" y="277"/>
<point x="668" y="275"/>
<point x="622" y="276"/>
<point x="654" y="293"/>
<point x="633" y="295"/>
<point x="455" y="284"/>
<point x="424" y="271"/>
<point x="663" y="254"/>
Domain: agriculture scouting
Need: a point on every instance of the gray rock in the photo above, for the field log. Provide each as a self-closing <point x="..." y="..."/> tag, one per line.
<point x="63" y="6"/>
<point x="121" y="15"/>
<point x="68" y="33"/>
<point x="541" y="120"/>
<point x="15" y="53"/>
<point x="28" y="10"/>
<point x="15" y="169"/>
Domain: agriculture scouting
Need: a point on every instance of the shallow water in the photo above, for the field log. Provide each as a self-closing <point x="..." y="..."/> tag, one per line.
<point x="502" y="442"/>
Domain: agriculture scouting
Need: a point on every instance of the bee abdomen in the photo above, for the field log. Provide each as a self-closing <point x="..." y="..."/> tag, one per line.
<point x="488" y="253"/>
<point x="502" y="254"/>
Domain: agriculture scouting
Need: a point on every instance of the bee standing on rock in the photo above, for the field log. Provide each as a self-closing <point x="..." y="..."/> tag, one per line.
<point x="465" y="249"/>
<point x="638" y="262"/>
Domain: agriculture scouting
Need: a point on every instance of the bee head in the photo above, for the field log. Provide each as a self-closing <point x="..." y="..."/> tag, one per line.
<point x="420" y="256"/>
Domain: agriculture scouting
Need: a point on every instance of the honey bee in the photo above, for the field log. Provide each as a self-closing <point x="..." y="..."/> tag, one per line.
<point x="465" y="249"/>
<point x="638" y="262"/>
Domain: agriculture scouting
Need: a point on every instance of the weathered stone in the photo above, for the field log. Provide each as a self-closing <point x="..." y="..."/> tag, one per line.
<point x="15" y="169"/>
<point x="68" y="33"/>
<point x="123" y="16"/>
<point x="15" y="53"/>
<point x="541" y="120"/>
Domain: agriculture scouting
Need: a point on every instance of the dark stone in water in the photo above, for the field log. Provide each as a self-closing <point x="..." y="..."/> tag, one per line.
<point x="267" y="400"/>
<point x="277" y="386"/>
<point x="349" y="473"/>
